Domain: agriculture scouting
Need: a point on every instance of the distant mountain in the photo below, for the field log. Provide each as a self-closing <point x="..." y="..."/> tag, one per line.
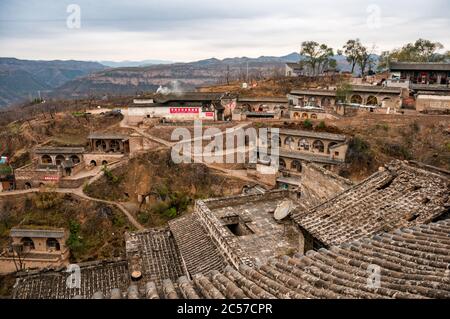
<point x="22" y="79"/>
<point x="124" y="64"/>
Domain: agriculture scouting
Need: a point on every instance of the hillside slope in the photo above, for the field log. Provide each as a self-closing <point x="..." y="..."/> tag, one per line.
<point x="21" y="78"/>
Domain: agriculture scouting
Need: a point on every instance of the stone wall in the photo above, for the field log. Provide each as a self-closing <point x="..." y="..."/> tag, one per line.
<point x="320" y="184"/>
<point x="136" y="143"/>
<point x="242" y="199"/>
<point x="51" y="177"/>
<point x="7" y="263"/>
<point x="36" y="177"/>
<point x="78" y="168"/>
<point x="308" y="114"/>
<point x="100" y="157"/>
<point x="231" y="250"/>
<point x="72" y="183"/>
<point x="346" y="110"/>
<point x="433" y="103"/>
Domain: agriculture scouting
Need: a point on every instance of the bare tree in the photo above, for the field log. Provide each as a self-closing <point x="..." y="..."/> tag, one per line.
<point x="365" y="59"/>
<point x="18" y="255"/>
<point x="317" y="55"/>
<point x="352" y="51"/>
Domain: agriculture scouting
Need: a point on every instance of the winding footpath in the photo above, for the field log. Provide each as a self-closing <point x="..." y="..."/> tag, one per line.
<point x="79" y="193"/>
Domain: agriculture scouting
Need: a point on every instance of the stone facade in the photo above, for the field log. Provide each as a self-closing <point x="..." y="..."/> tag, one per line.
<point x="433" y="103"/>
<point x="260" y="108"/>
<point x="49" y="166"/>
<point x="304" y="113"/>
<point x="35" y="248"/>
<point x="319" y="185"/>
<point x="297" y="147"/>
<point x="59" y="156"/>
<point x="59" y="166"/>
<point x="421" y="73"/>
<point x="33" y="176"/>
<point x="109" y="143"/>
<point x="367" y="95"/>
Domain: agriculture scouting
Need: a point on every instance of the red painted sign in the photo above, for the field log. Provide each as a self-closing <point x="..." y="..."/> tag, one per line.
<point x="184" y="110"/>
<point x="51" y="178"/>
<point x="209" y="114"/>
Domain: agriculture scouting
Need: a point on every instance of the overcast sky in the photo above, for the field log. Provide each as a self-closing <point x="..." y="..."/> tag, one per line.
<point x="187" y="30"/>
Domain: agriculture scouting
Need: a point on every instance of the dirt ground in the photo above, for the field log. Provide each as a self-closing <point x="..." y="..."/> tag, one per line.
<point x="424" y="138"/>
<point x="165" y="132"/>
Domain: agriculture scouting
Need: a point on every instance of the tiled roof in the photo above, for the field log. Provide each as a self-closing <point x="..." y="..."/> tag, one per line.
<point x="261" y="114"/>
<point x="354" y="88"/>
<point x="190" y="96"/>
<point x="376" y="89"/>
<point x="107" y="136"/>
<point x="308" y="157"/>
<point x="59" y="150"/>
<point x="319" y="135"/>
<point x="37" y="233"/>
<point x="307" y="109"/>
<point x="196" y="246"/>
<point x="412" y="66"/>
<point x="400" y="195"/>
<point x="295" y="65"/>
<point x="154" y="253"/>
<point x="412" y="263"/>
<point x="273" y="99"/>
<point x="95" y="277"/>
<point x="316" y="92"/>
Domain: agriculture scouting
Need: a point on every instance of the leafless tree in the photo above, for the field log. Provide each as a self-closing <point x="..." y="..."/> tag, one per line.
<point x="18" y="255"/>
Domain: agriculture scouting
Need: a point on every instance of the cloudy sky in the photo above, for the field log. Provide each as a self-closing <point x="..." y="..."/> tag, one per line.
<point x="187" y="30"/>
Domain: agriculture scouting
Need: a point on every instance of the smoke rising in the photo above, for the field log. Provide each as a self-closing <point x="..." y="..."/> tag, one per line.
<point x="174" y="87"/>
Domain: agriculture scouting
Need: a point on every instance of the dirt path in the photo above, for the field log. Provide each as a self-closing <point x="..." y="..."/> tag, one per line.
<point x="79" y="193"/>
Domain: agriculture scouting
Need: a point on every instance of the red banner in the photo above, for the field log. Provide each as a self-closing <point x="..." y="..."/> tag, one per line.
<point x="51" y="178"/>
<point x="209" y="114"/>
<point x="184" y="110"/>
